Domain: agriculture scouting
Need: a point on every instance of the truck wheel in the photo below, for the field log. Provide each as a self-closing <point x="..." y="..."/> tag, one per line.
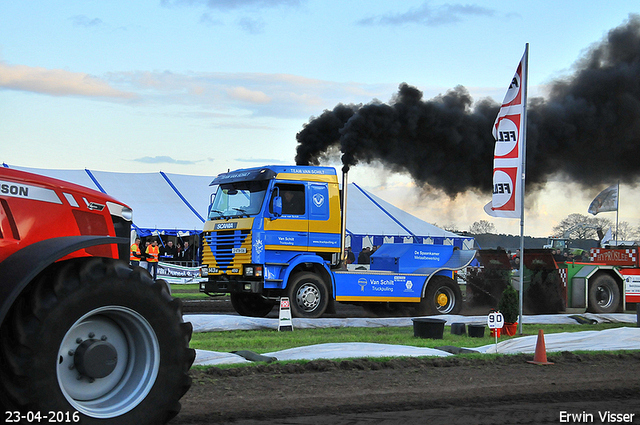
<point x="604" y="295"/>
<point x="251" y="305"/>
<point x="443" y="297"/>
<point x="308" y="295"/>
<point x="98" y="341"/>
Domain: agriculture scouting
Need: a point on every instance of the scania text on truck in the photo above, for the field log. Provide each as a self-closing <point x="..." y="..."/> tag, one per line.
<point x="84" y="337"/>
<point x="279" y="231"/>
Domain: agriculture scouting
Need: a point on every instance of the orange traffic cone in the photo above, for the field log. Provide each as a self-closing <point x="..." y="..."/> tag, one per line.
<point x="540" y="356"/>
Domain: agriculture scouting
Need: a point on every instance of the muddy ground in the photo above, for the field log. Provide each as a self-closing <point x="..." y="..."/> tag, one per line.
<point x="504" y="390"/>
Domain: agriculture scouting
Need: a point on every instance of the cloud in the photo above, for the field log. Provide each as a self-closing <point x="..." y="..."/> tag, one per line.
<point x="246" y="95"/>
<point x="232" y="4"/>
<point x="164" y="160"/>
<point x="262" y="161"/>
<point x="57" y="82"/>
<point x="84" y="21"/>
<point x="429" y="16"/>
<point x="252" y="26"/>
<point x="242" y="94"/>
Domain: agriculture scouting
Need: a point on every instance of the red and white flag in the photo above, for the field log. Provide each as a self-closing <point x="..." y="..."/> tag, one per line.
<point x="508" y="130"/>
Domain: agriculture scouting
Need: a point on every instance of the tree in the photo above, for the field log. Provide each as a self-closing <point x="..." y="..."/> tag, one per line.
<point x="482" y="227"/>
<point x="626" y="232"/>
<point x="580" y="226"/>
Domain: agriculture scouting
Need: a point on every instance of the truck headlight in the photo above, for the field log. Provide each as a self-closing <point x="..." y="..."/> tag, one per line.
<point x="204" y="271"/>
<point x="253" y="270"/>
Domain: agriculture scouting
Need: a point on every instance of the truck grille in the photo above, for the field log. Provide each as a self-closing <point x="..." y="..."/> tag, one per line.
<point x="218" y="249"/>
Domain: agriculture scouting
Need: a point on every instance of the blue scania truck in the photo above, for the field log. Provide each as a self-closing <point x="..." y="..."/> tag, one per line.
<point x="279" y="231"/>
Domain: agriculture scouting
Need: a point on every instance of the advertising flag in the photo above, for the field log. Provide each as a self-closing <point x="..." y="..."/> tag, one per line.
<point x="508" y="131"/>
<point x="607" y="200"/>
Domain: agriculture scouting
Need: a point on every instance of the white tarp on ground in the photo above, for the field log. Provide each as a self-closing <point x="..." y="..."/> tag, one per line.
<point x="221" y="322"/>
<point x="626" y="338"/>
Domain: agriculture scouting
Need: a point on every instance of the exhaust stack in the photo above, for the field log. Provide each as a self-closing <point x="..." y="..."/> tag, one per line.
<point x="343" y="228"/>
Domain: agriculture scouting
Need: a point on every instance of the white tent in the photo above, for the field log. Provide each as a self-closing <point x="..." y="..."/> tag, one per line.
<point x="373" y="221"/>
<point x="176" y="204"/>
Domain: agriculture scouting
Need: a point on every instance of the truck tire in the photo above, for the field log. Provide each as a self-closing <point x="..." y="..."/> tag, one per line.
<point x="97" y="341"/>
<point x="308" y="295"/>
<point x="604" y="295"/>
<point x="443" y="296"/>
<point x="251" y="305"/>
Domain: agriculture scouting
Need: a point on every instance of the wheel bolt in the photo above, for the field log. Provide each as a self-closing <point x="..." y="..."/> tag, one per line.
<point x="78" y="340"/>
<point x="103" y="337"/>
<point x="71" y="352"/>
<point x="91" y="334"/>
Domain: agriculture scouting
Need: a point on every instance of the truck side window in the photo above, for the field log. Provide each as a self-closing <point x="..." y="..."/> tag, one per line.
<point x="292" y="199"/>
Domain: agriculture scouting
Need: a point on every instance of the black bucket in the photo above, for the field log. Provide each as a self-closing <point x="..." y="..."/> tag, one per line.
<point x="476" y="331"/>
<point x="425" y="327"/>
<point x="458" y="329"/>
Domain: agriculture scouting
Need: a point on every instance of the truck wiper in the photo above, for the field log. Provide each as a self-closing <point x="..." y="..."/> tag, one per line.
<point x="242" y="212"/>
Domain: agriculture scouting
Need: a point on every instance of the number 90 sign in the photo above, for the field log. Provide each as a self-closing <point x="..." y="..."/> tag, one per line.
<point x="495" y="320"/>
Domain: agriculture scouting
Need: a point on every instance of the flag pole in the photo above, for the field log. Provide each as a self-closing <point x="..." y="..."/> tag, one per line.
<point x="617" y="211"/>
<point x="525" y="72"/>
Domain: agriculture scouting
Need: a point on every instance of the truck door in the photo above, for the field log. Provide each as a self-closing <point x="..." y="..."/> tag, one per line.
<point x="290" y="232"/>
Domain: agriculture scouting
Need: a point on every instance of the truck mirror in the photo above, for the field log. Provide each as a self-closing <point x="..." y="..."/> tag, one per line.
<point x="277" y="206"/>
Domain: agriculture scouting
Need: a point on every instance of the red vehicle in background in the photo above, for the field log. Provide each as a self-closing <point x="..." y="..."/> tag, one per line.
<point x="84" y="337"/>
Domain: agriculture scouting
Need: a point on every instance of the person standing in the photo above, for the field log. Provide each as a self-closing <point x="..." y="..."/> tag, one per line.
<point x="169" y="252"/>
<point x="153" y="255"/>
<point x="135" y="254"/>
<point x="186" y="254"/>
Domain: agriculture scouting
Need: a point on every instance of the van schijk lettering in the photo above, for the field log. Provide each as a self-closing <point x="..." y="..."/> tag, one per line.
<point x="587" y="418"/>
<point x="10" y="189"/>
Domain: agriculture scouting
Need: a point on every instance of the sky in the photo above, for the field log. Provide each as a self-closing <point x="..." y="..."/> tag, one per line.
<point x="203" y="86"/>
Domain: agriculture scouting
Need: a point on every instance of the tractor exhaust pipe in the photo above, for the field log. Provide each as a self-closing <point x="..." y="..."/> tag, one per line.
<point x="343" y="228"/>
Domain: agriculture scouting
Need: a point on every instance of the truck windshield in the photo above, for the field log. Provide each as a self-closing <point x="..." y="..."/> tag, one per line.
<point x="238" y="199"/>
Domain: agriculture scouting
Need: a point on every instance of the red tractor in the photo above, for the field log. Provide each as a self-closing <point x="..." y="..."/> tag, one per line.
<point x="84" y="337"/>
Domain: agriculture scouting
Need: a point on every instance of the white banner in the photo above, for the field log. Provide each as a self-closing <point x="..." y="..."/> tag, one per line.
<point x="508" y="130"/>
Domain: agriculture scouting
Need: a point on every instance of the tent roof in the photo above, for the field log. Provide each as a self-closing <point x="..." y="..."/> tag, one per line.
<point x="369" y="215"/>
<point x="173" y="203"/>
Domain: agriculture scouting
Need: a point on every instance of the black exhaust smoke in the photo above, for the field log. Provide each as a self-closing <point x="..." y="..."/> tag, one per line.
<point x="588" y="129"/>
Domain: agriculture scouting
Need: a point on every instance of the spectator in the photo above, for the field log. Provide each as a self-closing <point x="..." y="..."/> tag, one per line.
<point x="135" y="255"/>
<point x="153" y="254"/>
<point x="169" y="252"/>
<point x="186" y="254"/>
<point x="351" y="258"/>
<point x="365" y="256"/>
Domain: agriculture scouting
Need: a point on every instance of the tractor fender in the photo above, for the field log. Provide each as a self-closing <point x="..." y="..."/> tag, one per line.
<point x="21" y="267"/>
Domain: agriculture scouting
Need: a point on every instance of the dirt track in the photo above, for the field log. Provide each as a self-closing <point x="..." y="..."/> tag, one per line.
<point x="446" y="390"/>
<point x="450" y="390"/>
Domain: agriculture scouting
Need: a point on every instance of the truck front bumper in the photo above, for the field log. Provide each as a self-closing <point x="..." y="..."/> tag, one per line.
<point x="224" y="284"/>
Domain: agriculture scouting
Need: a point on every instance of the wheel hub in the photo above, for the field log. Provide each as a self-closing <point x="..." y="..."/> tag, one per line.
<point x="308" y="297"/>
<point x="442" y="299"/>
<point x="95" y="358"/>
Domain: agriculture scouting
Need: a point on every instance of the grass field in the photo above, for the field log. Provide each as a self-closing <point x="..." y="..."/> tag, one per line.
<point x="190" y="291"/>
<point x="265" y="341"/>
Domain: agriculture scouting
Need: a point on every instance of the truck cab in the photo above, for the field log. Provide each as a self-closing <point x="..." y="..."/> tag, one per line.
<point x="266" y="223"/>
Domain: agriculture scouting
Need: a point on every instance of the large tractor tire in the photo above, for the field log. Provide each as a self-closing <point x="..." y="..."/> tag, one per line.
<point x="443" y="296"/>
<point x="95" y="342"/>
<point x="604" y="295"/>
<point x="308" y="295"/>
<point x="251" y="305"/>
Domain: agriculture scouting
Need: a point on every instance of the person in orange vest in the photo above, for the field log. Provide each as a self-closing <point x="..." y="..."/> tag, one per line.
<point x="153" y="254"/>
<point x="135" y="254"/>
